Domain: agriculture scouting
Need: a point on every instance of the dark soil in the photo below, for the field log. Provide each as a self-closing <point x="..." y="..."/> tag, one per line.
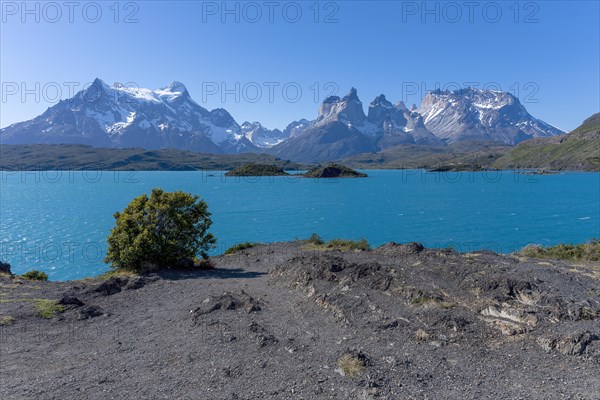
<point x="272" y="321"/>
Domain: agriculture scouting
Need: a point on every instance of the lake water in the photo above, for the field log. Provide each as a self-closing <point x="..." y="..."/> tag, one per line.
<point x="57" y="222"/>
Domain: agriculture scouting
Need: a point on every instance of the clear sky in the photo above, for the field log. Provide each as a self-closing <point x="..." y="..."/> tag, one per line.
<point x="254" y="58"/>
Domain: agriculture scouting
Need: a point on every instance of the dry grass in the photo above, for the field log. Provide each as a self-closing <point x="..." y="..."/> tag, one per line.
<point x="350" y="365"/>
<point x="422" y="336"/>
<point x="7" y="320"/>
<point x="587" y="313"/>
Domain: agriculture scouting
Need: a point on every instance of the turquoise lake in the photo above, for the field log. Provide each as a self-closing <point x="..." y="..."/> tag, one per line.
<point x="57" y="222"/>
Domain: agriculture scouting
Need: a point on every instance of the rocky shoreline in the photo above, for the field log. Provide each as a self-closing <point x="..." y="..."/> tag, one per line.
<point x="285" y="321"/>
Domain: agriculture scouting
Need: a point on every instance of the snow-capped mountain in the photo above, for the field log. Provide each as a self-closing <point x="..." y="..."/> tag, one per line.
<point x="117" y="116"/>
<point x="395" y="124"/>
<point x="342" y="129"/>
<point x="348" y="110"/>
<point x="262" y="137"/>
<point x="475" y="114"/>
<point x="297" y="127"/>
<point x="334" y="134"/>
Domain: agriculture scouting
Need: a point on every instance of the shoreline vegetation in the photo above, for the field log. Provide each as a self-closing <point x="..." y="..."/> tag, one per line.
<point x="325" y="171"/>
<point x="589" y="251"/>
<point x="582" y="252"/>
<point x="454" y="158"/>
<point x="253" y="169"/>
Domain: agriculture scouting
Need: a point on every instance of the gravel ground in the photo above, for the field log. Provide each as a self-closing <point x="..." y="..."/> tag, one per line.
<point x="273" y="322"/>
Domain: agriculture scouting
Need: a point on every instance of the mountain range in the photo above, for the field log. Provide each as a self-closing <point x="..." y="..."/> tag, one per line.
<point x="121" y="117"/>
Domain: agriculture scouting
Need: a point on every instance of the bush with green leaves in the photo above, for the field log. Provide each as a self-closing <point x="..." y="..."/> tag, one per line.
<point x="239" y="247"/>
<point x="315" y="239"/>
<point x="349" y="245"/>
<point x="165" y="230"/>
<point x="35" y="275"/>
<point x="580" y="252"/>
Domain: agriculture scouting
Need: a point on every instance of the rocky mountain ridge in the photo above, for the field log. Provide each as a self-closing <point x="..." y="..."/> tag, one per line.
<point x="118" y="116"/>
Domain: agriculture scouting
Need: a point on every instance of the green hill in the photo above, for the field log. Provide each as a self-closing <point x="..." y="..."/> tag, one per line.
<point x="334" y="171"/>
<point x="458" y="156"/>
<point x="257" y="170"/>
<point x="79" y="157"/>
<point x="578" y="150"/>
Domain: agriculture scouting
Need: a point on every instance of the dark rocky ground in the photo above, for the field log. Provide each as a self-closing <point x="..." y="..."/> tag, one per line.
<point x="272" y="322"/>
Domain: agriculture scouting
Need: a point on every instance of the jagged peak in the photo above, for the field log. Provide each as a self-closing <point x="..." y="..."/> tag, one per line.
<point x="248" y="124"/>
<point x="99" y="84"/>
<point x="352" y="95"/>
<point x="331" y="99"/>
<point x="401" y="106"/>
<point x="381" y="101"/>
<point x="175" y="87"/>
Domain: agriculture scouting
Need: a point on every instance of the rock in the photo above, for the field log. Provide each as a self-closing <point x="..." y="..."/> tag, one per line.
<point x="68" y="300"/>
<point x="334" y="171"/>
<point x="261" y="336"/>
<point x="5" y="268"/>
<point x="393" y="248"/>
<point x="90" y="312"/>
<point x="573" y="344"/>
<point x="140" y="282"/>
<point x="111" y="286"/>
<point x="229" y="302"/>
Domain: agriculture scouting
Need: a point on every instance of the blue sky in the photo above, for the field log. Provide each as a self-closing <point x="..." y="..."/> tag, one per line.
<point x="545" y="52"/>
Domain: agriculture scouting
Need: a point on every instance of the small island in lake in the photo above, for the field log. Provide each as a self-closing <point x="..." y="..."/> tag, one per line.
<point x="334" y="171"/>
<point x="252" y="169"/>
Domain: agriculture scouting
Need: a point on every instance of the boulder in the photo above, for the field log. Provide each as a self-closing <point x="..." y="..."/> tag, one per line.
<point x="71" y="301"/>
<point x="90" y="312"/>
<point x="5" y="268"/>
<point x="111" y="286"/>
<point x="393" y="248"/>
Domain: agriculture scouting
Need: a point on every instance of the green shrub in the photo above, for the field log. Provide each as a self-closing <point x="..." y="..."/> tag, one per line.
<point x="48" y="308"/>
<point x="315" y="239"/>
<point x="166" y="230"/>
<point x="35" y="275"/>
<point x="315" y="242"/>
<point x="239" y="246"/>
<point x="586" y="252"/>
<point x="349" y="245"/>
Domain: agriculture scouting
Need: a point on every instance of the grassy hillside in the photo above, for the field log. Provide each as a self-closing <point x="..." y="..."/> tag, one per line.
<point x="257" y="170"/>
<point x="466" y="155"/>
<point x="78" y="157"/>
<point x="577" y="150"/>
